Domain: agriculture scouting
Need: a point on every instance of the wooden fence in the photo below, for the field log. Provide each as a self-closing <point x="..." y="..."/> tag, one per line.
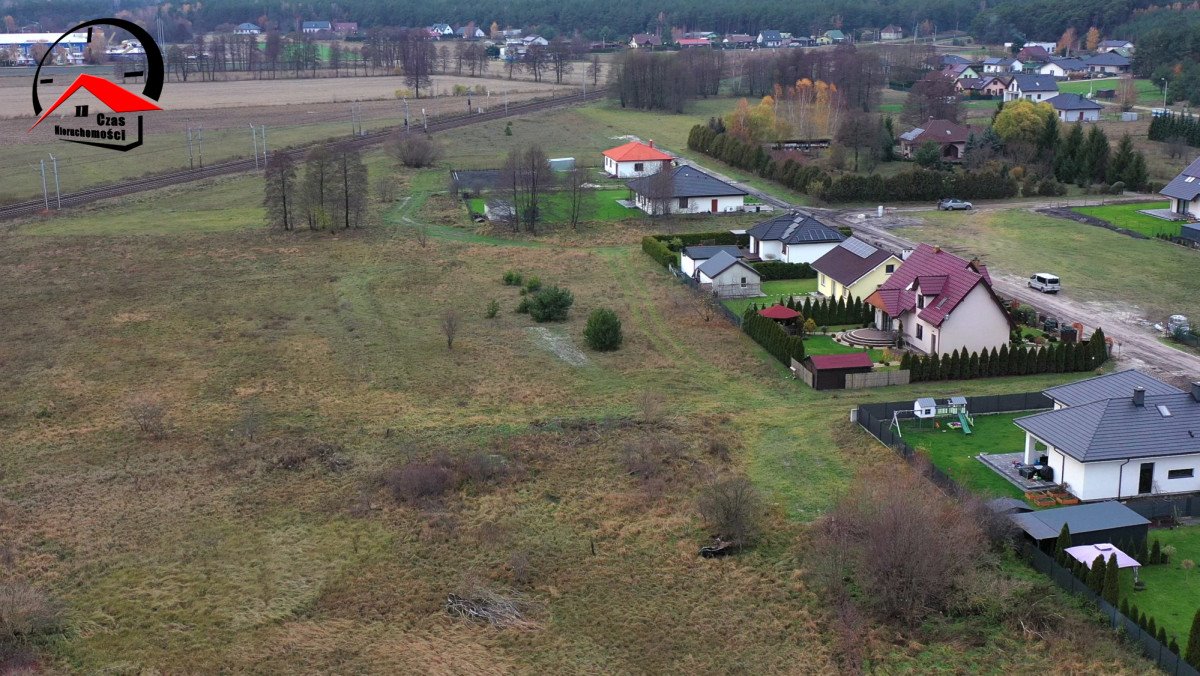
<point x="858" y="381"/>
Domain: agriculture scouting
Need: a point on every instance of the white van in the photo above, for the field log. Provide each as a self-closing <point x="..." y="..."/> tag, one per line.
<point x="1045" y="282"/>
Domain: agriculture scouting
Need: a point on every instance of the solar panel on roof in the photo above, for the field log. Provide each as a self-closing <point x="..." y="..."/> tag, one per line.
<point x="858" y="247"/>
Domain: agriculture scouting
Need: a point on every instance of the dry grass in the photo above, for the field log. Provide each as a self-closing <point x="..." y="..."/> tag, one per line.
<point x="233" y="544"/>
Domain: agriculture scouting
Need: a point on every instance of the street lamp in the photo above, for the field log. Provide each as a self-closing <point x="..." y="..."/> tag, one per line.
<point x="1164" y="81"/>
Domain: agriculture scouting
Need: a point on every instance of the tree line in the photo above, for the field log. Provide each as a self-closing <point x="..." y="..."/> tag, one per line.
<point x="1016" y="361"/>
<point x="327" y="191"/>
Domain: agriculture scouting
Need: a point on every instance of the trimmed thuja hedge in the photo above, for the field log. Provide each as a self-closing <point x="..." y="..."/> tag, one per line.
<point x="1009" y="361"/>
<point x="769" y="334"/>
<point x="914" y="185"/>
<point x="774" y="270"/>
<point x="826" y="312"/>
<point x="660" y="252"/>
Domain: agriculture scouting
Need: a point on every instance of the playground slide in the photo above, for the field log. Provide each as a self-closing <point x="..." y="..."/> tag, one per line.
<point x="966" y="424"/>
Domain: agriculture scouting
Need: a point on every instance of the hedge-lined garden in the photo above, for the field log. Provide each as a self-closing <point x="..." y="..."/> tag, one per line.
<point x="827" y="312"/>
<point x="1016" y="361"/>
<point x="772" y="336"/>
<point x="665" y="249"/>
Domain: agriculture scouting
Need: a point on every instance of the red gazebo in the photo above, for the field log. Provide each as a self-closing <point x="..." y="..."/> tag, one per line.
<point x="779" y="313"/>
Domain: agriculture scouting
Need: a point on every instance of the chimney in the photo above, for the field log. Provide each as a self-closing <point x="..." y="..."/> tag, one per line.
<point x="1196" y="391"/>
<point x="937" y="249"/>
<point x="651" y="143"/>
<point x="1139" y="396"/>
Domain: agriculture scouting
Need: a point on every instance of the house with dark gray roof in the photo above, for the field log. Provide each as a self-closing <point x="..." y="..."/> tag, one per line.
<point x="793" y="237"/>
<point x="693" y="257"/>
<point x="728" y="276"/>
<point x="770" y="39"/>
<point x="1036" y="88"/>
<point x="1104" y="443"/>
<point x="1184" y="191"/>
<point x="1108" y="63"/>
<point x="1075" y="108"/>
<point x="685" y="190"/>
<point x="854" y="269"/>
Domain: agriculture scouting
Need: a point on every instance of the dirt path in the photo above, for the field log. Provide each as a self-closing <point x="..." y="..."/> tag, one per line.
<point x="1134" y="344"/>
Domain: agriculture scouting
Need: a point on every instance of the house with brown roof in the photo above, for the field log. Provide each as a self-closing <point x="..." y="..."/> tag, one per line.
<point x="950" y="137"/>
<point x="937" y="302"/>
<point x="853" y="269"/>
<point x="980" y="87"/>
<point x="645" y="41"/>
<point x="891" y="32"/>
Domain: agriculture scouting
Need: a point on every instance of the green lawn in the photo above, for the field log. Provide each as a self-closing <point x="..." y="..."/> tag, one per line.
<point x="1127" y="216"/>
<point x="1148" y="93"/>
<point x="601" y="206"/>
<point x="1172" y="593"/>
<point x="827" y="345"/>
<point x="954" y="452"/>
<point x="773" y="290"/>
<point x="1088" y="259"/>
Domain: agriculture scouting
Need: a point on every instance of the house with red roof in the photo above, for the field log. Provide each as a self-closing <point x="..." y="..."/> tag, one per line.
<point x="635" y="159"/>
<point x="937" y="303"/>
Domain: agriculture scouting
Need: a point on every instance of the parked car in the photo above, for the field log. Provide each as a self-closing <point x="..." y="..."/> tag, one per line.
<point x="951" y="204"/>
<point x="1045" y="282"/>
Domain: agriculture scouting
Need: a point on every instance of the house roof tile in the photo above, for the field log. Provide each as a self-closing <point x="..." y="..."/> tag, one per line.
<point x="939" y="273"/>
<point x="1036" y="83"/>
<point x="1107" y="386"/>
<point x="850" y="261"/>
<point x="824" y="362"/>
<point x="636" y="151"/>
<point x="1117" y="429"/>
<point x="720" y="263"/>
<point x="688" y="181"/>
<point x="1068" y="101"/>
<point x="1185" y="186"/>
<point x="795" y="228"/>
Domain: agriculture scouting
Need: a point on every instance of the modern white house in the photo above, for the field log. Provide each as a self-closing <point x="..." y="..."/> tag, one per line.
<point x="1075" y="108"/>
<point x="635" y="159"/>
<point x="316" y="27"/>
<point x="1184" y="191"/>
<point x="685" y="190"/>
<point x="1118" y="436"/>
<point x="247" y="29"/>
<point x="1062" y="68"/>
<point x="1036" y="88"/>
<point x="1114" y="45"/>
<point x="729" y="277"/>
<point x="793" y="237"/>
<point x="937" y="303"/>
<point x="891" y="32"/>
<point x="1108" y="63"/>
<point x="1001" y="65"/>
<point x="693" y="257"/>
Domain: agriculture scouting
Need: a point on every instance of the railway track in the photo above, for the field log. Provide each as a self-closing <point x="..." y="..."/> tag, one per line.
<point x="136" y="185"/>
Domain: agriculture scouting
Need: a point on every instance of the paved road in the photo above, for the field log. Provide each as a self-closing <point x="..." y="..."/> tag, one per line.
<point x="1134" y="344"/>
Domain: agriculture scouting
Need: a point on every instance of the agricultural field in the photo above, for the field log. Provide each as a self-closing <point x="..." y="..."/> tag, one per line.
<point x="1112" y="270"/>
<point x="1127" y="216"/>
<point x="204" y="422"/>
<point x="219" y="114"/>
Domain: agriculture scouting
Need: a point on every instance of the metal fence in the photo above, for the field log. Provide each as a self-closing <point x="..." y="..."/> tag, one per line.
<point x="1166" y="660"/>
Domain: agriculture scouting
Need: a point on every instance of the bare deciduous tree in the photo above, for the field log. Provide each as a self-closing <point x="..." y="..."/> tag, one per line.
<point x="417" y="58"/>
<point x="421" y="234"/>
<point x="279" y="183"/>
<point x="149" y="414"/>
<point x="578" y="194"/>
<point x="450" y="325"/>
<point x="414" y="150"/>
<point x="732" y="509"/>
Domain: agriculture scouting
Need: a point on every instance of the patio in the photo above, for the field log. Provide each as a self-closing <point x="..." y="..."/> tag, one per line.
<point x="867" y="337"/>
<point x="1164" y="214"/>
<point x="1005" y="464"/>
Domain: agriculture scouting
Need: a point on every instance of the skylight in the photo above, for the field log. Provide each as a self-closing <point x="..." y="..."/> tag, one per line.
<point x="1164" y="411"/>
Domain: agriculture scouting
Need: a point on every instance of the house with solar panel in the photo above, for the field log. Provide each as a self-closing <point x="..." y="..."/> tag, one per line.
<point x="1118" y="436"/>
<point x="794" y="237"/>
<point x="936" y="303"/>
<point x="1184" y="191"/>
<point x="853" y="269"/>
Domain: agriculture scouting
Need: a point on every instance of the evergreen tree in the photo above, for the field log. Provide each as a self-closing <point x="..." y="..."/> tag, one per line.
<point x="1094" y="163"/>
<point x="934" y="367"/>
<point x="1047" y="139"/>
<point x="1155" y="553"/>
<point x="1124" y="607"/>
<point x="1112" y="581"/>
<point x="1121" y="160"/>
<point x="1095" y="579"/>
<point x="995" y="363"/>
<point x="1099" y="348"/>
<point x="1061" y="545"/>
<point x="1136" y="174"/>
<point x="1081" y="357"/>
<point x="1151" y="626"/>
<point x="1066" y="165"/>
<point x="1192" y="654"/>
<point x="1162" y="635"/>
<point x="973" y="366"/>
<point x="1174" y="646"/>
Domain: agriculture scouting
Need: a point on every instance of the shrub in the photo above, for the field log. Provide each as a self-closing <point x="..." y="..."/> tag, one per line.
<point x="418" y="481"/>
<point x="523" y="306"/>
<point x="513" y="278"/>
<point x="484" y="468"/>
<point x="732" y="509"/>
<point x="550" y="304"/>
<point x="493" y="309"/>
<point x="149" y="414"/>
<point x="654" y="248"/>
<point x="533" y="284"/>
<point x="414" y="150"/>
<point x="603" y="331"/>
<point x="1116" y="188"/>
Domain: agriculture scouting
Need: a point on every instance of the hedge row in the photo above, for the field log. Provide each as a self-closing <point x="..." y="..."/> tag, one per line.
<point x="920" y="185"/>
<point x="1018" y="361"/>
<point x="723" y="238"/>
<point x="751" y="157"/>
<point x="660" y="252"/>
<point x="827" y="312"/>
<point x="1164" y="127"/>
<point x="769" y="334"/>
<point x="774" y="270"/>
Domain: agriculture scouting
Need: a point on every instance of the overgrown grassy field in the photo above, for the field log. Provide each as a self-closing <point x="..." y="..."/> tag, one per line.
<point x="1172" y="592"/>
<point x="953" y="452"/>
<point x="295" y="371"/>
<point x="1148" y="93"/>
<point x="598" y="205"/>
<point x="1095" y="264"/>
<point x="1127" y="216"/>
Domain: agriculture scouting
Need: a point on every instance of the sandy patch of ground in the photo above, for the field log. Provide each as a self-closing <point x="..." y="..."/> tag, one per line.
<point x="561" y="346"/>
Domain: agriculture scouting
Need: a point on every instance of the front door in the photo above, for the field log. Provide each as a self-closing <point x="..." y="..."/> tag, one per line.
<point x="1146" y="478"/>
<point x="714" y="206"/>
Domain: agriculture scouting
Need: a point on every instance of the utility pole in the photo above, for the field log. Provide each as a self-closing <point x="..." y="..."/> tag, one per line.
<point x="200" y="146"/>
<point x="57" y="186"/>
<point x="45" y="193"/>
<point x="263" y="129"/>
<point x="191" y="157"/>
<point x="505" y="103"/>
<point x="254" y="138"/>
<point x="424" y="120"/>
<point x="405" y="101"/>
